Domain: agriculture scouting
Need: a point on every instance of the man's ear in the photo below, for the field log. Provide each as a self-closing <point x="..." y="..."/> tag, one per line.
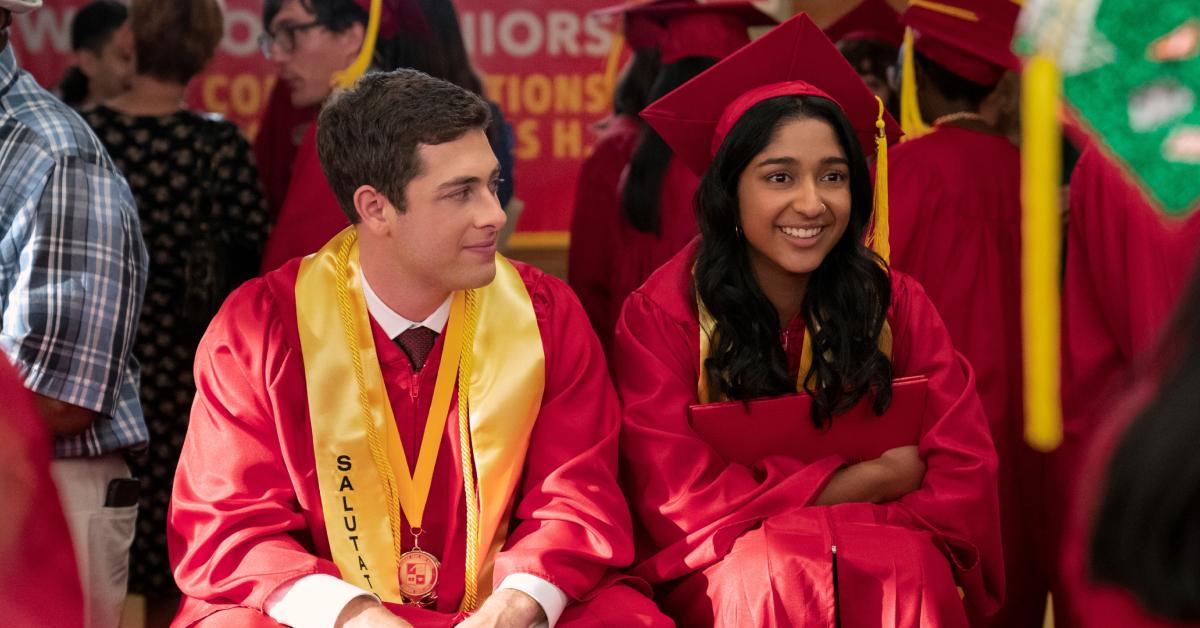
<point x="87" y="61"/>
<point x="350" y="42"/>
<point x="373" y="209"/>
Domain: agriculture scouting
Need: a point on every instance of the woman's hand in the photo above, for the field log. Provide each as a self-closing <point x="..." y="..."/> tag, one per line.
<point x="887" y="478"/>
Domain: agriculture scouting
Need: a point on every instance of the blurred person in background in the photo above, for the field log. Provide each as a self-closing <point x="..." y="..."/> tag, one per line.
<point x="655" y="217"/>
<point x="869" y="37"/>
<point x="103" y="55"/>
<point x="204" y="222"/>
<point x="72" y="274"/>
<point x="1133" y="554"/>
<point x="598" y="186"/>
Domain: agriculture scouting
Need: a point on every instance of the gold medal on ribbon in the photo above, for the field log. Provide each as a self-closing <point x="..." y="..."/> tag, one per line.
<point x="419" y="574"/>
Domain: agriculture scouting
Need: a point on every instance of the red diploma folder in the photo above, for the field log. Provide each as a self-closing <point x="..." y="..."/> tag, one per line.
<point x="784" y="426"/>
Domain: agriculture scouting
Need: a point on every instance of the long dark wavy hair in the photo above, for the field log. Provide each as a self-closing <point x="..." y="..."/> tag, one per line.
<point x="632" y="92"/>
<point x="1146" y="534"/>
<point x="643" y="185"/>
<point x="845" y="304"/>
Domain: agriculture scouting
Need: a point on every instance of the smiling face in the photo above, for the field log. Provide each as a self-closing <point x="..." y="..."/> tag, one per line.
<point x="306" y="55"/>
<point x="446" y="237"/>
<point x="794" y="200"/>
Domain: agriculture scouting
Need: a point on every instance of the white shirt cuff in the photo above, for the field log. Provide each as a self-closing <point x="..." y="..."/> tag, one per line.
<point x="551" y="598"/>
<point x="313" y="601"/>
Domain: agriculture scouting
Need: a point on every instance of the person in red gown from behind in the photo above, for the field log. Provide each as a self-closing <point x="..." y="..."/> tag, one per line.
<point x="39" y="582"/>
<point x="1133" y="555"/>
<point x="780" y="294"/>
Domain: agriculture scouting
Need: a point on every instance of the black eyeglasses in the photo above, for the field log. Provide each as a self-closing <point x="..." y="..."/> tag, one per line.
<point x="284" y="36"/>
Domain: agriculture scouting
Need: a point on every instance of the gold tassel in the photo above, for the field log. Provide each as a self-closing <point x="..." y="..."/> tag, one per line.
<point x="1041" y="234"/>
<point x="880" y="236"/>
<point x="343" y="79"/>
<point x="910" y="110"/>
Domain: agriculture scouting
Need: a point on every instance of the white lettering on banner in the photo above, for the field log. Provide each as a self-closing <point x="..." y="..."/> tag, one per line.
<point x="34" y="29"/>
<point x="523" y="33"/>
<point x="599" y="39"/>
<point x="245" y="42"/>
<point x="512" y="24"/>
<point x="562" y="33"/>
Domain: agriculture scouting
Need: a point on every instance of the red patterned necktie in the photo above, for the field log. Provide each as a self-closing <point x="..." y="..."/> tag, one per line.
<point x="416" y="343"/>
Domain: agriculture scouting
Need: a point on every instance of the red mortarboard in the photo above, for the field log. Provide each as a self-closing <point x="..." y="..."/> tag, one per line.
<point x="871" y="19"/>
<point x="713" y="29"/>
<point x="639" y="30"/>
<point x="794" y="58"/>
<point x="971" y="38"/>
<point x="399" y="16"/>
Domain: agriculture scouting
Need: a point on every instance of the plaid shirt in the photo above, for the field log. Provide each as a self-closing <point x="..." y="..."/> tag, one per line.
<point x="72" y="265"/>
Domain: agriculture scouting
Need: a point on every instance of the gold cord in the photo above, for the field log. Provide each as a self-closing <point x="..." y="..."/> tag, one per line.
<point x="465" y="365"/>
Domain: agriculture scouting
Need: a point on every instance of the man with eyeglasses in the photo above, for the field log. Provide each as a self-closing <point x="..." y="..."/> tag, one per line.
<point x="309" y="42"/>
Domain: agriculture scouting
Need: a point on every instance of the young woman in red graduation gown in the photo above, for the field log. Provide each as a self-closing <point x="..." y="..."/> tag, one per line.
<point x="907" y="539"/>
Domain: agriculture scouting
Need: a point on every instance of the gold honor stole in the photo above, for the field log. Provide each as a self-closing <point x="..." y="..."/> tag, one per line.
<point x="362" y="470"/>
<point x="708" y="327"/>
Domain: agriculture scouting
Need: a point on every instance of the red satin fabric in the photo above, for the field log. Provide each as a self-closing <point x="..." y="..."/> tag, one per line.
<point x="595" y="221"/>
<point x="310" y="216"/>
<point x="246" y="516"/>
<point x="1126" y="265"/>
<point x="39" y="582"/>
<point x="955" y="216"/>
<point x="729" y="544"/>
<point x="607" y="266"/>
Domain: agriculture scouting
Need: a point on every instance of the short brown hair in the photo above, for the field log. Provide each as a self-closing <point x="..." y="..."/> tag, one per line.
<point x="368" y="135"/>
<point x="175" y="39"/>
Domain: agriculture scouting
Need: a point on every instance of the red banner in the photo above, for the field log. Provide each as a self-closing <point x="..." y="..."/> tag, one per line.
<point x="544" y="62"/>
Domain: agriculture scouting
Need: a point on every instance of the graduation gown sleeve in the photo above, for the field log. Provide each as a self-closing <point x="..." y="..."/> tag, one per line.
<point x="235" y="521"/>
<point x="571" y="523"/>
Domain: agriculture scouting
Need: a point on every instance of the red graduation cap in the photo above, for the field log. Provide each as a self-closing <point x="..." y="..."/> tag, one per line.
<point x="639" y="31"/>
<point x="398" y="16"/>
<point x="871" y="19"/>
<point x="690" y="29"/>
<point x="795" y="58"/>
<point x="971" y="38"/>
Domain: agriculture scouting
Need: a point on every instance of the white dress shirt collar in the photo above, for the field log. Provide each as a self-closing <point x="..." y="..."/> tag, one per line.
<point x="392" y="323"/>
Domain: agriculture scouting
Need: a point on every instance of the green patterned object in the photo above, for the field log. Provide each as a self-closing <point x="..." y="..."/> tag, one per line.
<point x="1131" y="73"/>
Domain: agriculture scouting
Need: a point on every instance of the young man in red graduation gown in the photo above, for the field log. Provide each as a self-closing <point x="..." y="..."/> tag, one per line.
<point x="1127" y="264"/>
<point x="956" y="228"/>
<point x="613" y="257"/>
<point x="332" y="461"/>
<point x="784" y="540"/>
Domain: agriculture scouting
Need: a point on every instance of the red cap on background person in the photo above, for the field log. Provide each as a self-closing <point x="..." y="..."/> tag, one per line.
<point x="971" y="38"/>
<point x="689" y="29"/>
<point x="871" y="19"/>
<point x="640" y="32"/>
<point x="795" y="58"/>
<point x="398" y="16"/>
